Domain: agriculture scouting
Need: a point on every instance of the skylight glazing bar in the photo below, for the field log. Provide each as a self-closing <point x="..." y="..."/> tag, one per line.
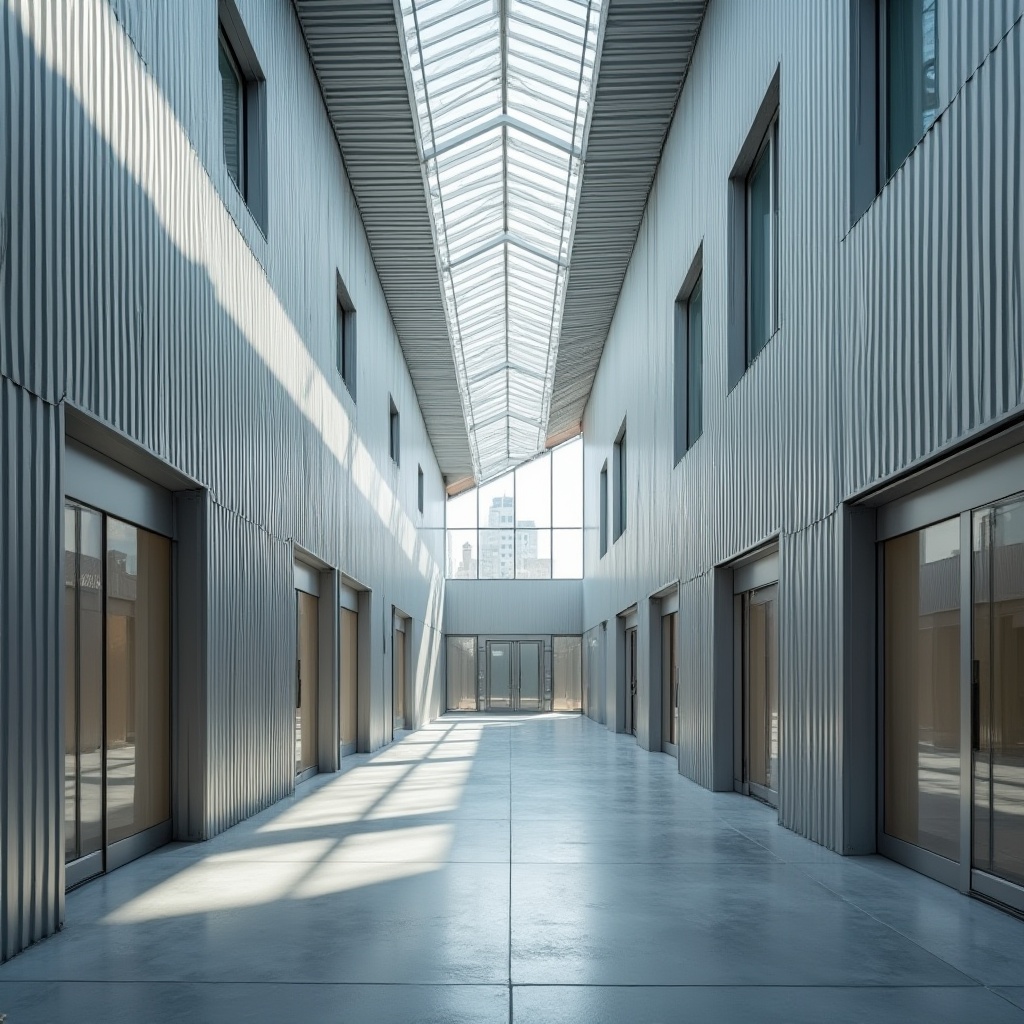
<point x="502" y="91"/>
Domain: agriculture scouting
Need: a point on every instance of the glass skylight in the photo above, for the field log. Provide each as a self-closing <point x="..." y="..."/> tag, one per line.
<point x="502" y="92"/>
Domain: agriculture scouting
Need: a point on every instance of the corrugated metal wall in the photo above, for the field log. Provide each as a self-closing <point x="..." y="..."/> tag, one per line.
<point x="135" y="284"/>
<point x="899" y="334"/>
<point x="31" y="597"/>
<point x="508" y="607"/>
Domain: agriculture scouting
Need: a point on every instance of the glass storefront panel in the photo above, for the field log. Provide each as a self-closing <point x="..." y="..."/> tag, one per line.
<point x="921" y="689"/>
<point x="349" y="663"/>
<point x="998" y="690"/>
<point x="566" y="673"/>
<point x="138" y="680"/>
<point x="461" y="673"/>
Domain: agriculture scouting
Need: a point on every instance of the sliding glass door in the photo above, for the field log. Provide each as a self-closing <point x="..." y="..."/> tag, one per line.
<point x="116" y="691"/>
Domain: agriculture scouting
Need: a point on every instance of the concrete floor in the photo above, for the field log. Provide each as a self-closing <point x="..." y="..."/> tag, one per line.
<point x="529" y="870"/>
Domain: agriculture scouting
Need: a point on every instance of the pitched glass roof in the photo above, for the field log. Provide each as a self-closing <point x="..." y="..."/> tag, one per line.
<point x="502" y="92"/>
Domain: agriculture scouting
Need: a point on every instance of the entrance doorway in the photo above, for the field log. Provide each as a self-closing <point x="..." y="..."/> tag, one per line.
<point x="515" y="675"/>
<point x="630" y="679"/>
<point x="952" y="687"/>
<point x="307" y="673"/>
<point x="117" y="590"/>
<point x="398" y="670"/>
<point x="761" y="693"/>
<point x="669" y="684"/>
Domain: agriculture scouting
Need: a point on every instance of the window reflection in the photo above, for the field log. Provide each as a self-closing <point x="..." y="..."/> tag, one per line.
<point x="922" y="696"/>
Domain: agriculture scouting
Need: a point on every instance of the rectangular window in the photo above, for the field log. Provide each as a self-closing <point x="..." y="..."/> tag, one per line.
<point x="394" y="435"/>
<point x="911" y="78"/>
<point x="689" y="364"/>
<point x="619" y="506"/>
<point x="419" y="488"/>
<point x="346" y="328"/>
<point x="232" y="113"/>
<point x="243" y="112"/>
<point x="762" y="194"/>
<point x="604" y="510"/>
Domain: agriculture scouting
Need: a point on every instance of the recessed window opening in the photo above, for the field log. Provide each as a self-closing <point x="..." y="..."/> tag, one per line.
<point x="763" y="245"/>
<point x="419" y="488"/>
<point x="394" y="435"/>
<point x="688" y="359"/>
<point x="526" y="524"/>
<point x="619" y="482"/>
<point x="604" y="509"/>
<point x="911" y="72"/>
<point x="346" y="337"/>
<point x="233" y="113"/>
<point x="243" y="111"/>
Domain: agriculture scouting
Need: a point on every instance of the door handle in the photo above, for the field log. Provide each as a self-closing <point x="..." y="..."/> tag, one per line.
<point x="298" y="684"/>
<point x="975" y="705"/>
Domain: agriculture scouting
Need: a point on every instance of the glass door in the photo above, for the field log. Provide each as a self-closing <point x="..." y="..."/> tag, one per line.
<point x="116" y="691"/>
<point x="348" y="663"/>
<point x="631" y="679"/>
<point x="499" y="675"/>
<point x="307" y="671"/>
<point x="669" y="684"/>
<point x="530" y="656"/>
<point x="997" y="701"/>
<point x="761" y="693"/>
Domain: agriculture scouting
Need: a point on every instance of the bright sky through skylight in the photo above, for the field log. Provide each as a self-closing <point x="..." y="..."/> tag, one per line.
<point x="502" y="92"/>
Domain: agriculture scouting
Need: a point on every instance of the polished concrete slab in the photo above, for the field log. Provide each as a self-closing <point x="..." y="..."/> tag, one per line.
<point x="506" y="868"/>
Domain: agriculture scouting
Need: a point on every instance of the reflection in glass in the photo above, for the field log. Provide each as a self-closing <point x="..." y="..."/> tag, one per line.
<point x="398" y="678"/>
<point x="922" y="688"/>
<point x="497" y="554"/>
<point x="998" y="690"/>
<point x="912" y="102"/>
<point x="349" y="665"/>
<point x="762" y="688"/>
<point x="694" y="366"/>
<point x="462" y="554"/>
<point x="70" y="684"/>
<point x="533" y="554"/>
<point x="531" y="674"/>
<point x="461" y="673"/>
<point x="232" y="107"/>
<point x="669" y="680"/>
<point x="567" y="554"/>
<point x="760" y="264"/>
<point x="138" y="680"/>
<point x="499" y="674"/>
<point x="566" y="673"/>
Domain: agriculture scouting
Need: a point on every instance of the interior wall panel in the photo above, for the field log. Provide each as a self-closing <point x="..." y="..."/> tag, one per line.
<point x="477" y="607"/>
<point x="136" y="285"/>
<point x="31" y="599"/>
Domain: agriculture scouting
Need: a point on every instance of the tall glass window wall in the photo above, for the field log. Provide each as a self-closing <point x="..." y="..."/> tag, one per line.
<point x="525" y="525"/>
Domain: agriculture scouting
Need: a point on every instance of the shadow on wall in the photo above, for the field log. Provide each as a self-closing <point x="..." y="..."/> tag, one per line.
<point x="170" y="323"/>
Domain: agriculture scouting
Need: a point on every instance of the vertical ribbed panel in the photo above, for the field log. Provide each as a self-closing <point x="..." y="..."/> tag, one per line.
<point x="810" y="683"/>
<point x="251" y="672"/>
<point x="135" y="282"/>
<point x="513" y="606"/>
<point x="898" y="335"/>
<point x="696" y="693"/>
<point x="31" y="593"/>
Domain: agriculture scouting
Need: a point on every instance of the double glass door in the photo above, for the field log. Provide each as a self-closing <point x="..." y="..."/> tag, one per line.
<point x="515" y="675"/>
<point x="953" y="700"/>
<point x="116" y="691"/>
